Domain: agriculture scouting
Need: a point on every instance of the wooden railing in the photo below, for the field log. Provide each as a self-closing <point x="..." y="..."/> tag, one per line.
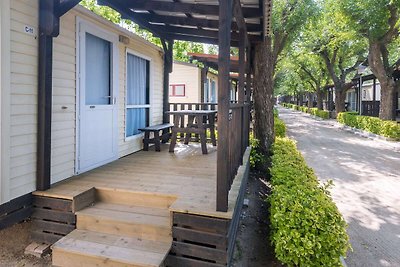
<point x="238" y="138"/>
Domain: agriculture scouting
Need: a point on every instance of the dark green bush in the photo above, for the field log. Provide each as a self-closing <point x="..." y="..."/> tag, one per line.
<point x="374" y="125"/>
<point x="306" y="226"/>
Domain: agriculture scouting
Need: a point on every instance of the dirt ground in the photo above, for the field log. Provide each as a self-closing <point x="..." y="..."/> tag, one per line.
<point x="253" y="247"/>
<point x="13" y="242"/>
<point x="252" y="244"/>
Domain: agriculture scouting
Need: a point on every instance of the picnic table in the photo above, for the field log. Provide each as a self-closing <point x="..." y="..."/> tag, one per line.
<point x="198" y="121"/>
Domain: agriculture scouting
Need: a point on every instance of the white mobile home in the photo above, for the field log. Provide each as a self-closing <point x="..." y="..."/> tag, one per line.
<point x="189" y="83"/>
<point x="75" y="92"/>
<point x="107" y="83"/>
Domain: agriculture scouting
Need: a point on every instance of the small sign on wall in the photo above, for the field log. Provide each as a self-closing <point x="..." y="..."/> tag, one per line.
<point x="30" y="30"/>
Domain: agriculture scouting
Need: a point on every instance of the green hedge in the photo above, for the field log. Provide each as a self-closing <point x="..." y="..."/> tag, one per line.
<point x="257" y="159"/>
<point x="314" y="111"/>
<point x="280" y="128"/>
<point x="319" y="113"/>
<point x="374" y="125"/>
<point x="306" y="226"/>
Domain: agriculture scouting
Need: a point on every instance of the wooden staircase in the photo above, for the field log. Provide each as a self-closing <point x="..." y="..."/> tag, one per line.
<point x="120" y="229"/>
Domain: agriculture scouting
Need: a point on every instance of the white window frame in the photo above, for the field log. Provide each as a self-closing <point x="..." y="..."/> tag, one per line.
<point x="126" y="106"/>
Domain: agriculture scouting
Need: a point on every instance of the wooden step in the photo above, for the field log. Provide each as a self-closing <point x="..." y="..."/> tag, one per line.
<point x="131" y="221"/>
<point x="87" y="248"/>
<point x="125" y="197"/>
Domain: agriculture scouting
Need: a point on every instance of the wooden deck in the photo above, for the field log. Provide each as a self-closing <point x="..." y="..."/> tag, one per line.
<point x="186" y="175"/>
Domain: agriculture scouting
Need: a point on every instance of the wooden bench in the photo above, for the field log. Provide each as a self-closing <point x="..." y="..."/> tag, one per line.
<point x="155" y="129"/>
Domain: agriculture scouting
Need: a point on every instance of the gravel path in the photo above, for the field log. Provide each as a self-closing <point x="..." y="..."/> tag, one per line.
<point x="366" y="176"/>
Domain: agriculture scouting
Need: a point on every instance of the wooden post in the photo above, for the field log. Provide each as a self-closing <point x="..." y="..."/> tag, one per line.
<point x="241" y="95"/>
<point x="168" y="63"/>
<point x="49" y="27"/>
<point x="375" y="111"/>
<point x="224" y="40"/>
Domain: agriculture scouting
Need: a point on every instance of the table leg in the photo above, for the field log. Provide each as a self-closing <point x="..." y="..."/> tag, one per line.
<point x="203" y="137"/>
<point x="146" y="141"/>
<point x="211" y="119"/>
<point x="189" y="125"/>
<point x="157" y="140"/>
<point x="174" y="133"/>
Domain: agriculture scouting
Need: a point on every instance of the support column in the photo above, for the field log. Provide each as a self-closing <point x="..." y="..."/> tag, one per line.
<point x="224" y="40"/>
<point x="168" y="63"/>
<point x="49" y="27"/>
<point x="241" y="89"/>
<point x="375" y="111"/>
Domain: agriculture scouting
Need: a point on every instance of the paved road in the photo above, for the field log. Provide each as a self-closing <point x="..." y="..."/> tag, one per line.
<point x="366" y="175"/>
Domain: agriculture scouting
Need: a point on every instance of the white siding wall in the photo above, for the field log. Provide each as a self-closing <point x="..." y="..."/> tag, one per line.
<point x="190" y="76"/>
<point x="24" y="86"/>
<point x="24" y="53"/>
<point x="64" y="97"/>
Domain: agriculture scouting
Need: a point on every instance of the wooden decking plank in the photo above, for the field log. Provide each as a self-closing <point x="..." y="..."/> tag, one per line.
<point x="186" y="174"/>
<point x="133" y="209"/>
<point x="136" y="218"/>
<point x="109" y="253"/>
<point x="122" y="241"/>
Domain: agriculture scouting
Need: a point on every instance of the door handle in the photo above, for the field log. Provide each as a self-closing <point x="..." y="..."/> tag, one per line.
<point x="92" y="106"/>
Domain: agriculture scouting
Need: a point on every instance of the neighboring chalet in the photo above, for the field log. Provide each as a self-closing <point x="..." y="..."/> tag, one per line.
<point x="189" y="83"/>
<point x="76" y="93"/>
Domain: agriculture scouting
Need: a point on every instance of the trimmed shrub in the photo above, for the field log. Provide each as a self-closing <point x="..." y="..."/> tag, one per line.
<point x="257" y="159"/>
<point x="280" y="127"/>
<point x="306" y="226"/>
<point x="319" y="113"/>
<point x="390" y="129"/>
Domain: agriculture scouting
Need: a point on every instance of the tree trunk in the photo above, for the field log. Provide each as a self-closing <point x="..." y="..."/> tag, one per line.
<point x="340" y="101"/>
<point x="320" y="97"/>
<point x="310" y="100"/>
<point x="388" y="85"/>
<point x="263" y="96"/>
<point x="388" y="93"/>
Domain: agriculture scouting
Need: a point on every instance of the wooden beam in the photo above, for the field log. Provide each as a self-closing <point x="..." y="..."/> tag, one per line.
<point x="223" y="168"/>
<point x="203" y="33"/>
<point x="66" y="5"/>
<point x="168" y="63"/>
<point x="48" y="27"/>
<point x="49" y="21"/>
<point x="196" y="22"/>
<point x="238" y="14"/>
<point x="177" y="7"/>
<point x="199" y="39"/>
<point x="126" y="13"/>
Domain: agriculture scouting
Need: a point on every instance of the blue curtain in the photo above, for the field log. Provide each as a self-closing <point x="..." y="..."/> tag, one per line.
<point x="206" y="96"/>
<point x="98" y="71"/>
<point x="136" y="119"/>
<point x="137" y="94"/>
<point x="213" y="92"/>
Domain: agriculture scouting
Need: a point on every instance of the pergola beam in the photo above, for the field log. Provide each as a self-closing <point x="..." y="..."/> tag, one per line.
<point x="202" y="33"/>
<point x="199" y="39"/>
<point x="177" y="7"/>
<point x="196" y="22"/>
<point x="120" y="7"/>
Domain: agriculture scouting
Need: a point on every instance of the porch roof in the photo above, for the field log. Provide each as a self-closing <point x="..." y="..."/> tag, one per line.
<point x="212" y="61"/>
<point x="190" y="20"/>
